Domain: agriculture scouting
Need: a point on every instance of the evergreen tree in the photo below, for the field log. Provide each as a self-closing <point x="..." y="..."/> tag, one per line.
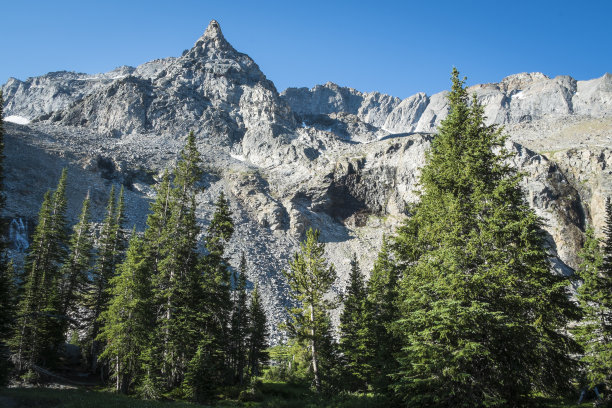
<point x="310" y="278"/>
<point x="177" y="291"/>
<point x="39" y="328"/>
<point x="76" y="269"/>
<point x="355" y="332"/>
<point x="217" y="286"/>
<point x="382" y="289"/>
<point x="239" y="321"/>
<point x="481" y="311"/>
<point x="128" y="322"/>
<point x="8" y="303"/>
<point x="257" y="334"/>
<point x="595" y="296"/>
<point x="109" y="254"/>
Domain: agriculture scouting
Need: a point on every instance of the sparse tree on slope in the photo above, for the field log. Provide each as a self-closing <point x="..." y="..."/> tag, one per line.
<point x="482" y="314"/>
<point x="310" y="278"/>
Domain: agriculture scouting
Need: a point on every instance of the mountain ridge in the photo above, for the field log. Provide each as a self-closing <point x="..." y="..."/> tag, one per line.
<point x="327" y="157"/>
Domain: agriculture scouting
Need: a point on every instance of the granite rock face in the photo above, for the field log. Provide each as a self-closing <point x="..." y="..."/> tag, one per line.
<point x="329" y="157"/>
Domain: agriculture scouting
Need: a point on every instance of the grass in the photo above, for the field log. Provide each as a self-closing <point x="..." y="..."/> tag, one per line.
<point x="273" y="395"/>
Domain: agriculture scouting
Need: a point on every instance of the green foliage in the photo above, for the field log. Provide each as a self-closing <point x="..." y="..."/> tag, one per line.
<point x="128" y="321"/>
<point x="38" y="334"/>
<point x="198" y="385"/>
<point x="172" y="239"/>
<point x="355" y="335"/>
<point x="594" y="333"/>
<point x="217" y="288"/>
<point x="382" y="299"/>
<point x="75" y="271"/>
<point x="310" y="278"/>
<point x="221" y="227"/>
<point x="239" y="329"/>
<point x="257" y="341"/>
<point x="481" y="312"/>
<point x="109" y="254"/>
<point x="8" y="303"/>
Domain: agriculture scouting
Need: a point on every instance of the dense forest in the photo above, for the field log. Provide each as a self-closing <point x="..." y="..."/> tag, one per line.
<point x="461" y="309"/>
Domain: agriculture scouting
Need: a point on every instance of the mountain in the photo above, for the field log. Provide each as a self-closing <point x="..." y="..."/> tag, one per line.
<point x="329" y="157"/>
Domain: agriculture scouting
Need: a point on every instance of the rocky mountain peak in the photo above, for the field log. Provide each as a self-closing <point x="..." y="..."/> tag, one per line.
<point x="212" y="37"/>
<point x="213" y="30"/>
<point x="521" y="80"/>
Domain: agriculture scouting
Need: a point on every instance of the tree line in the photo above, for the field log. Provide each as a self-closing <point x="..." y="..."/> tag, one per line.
<point x="462" y="308"/>
<point x="153" y="313"/>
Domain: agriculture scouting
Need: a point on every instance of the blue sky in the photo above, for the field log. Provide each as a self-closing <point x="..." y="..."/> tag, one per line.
<point x="396" y="47"/>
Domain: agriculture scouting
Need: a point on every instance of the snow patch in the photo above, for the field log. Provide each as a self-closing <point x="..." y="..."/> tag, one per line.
<point x="519" y="95"/>
<point x="238" y="157"/>
<point x="20" y="120"/>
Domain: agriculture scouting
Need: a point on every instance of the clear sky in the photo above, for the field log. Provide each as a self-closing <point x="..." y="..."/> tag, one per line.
<point x="396" y="47"/>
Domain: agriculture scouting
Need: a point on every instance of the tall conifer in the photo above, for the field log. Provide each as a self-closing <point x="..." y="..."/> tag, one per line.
<point x="595" y="295"/>
<point x="257" y="334"/>
<point x="239" y="321"/>
<point x="383" y="290"/>
<point x="39" y="328"/>
<point x="109" y="253"/>
<point x="128" y="322"/>
<point x="217" y="284"/>
<point x="76" y="269"/>
<point x="481" y="311"/>
<point x="310" y="278"/>
<point x="177" y="281"/>
<point x="355" y="332"/>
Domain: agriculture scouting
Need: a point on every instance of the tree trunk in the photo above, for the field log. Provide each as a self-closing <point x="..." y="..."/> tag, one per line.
<point x="118" y="383"/>
<point x="315" y="362"/>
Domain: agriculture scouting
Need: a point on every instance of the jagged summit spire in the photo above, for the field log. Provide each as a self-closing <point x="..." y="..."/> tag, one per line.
<point x="213" y="30"/>
<point x="212" y="37"/>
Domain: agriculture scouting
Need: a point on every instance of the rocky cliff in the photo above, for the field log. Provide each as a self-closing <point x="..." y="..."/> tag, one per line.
<point x="329" y="157"/>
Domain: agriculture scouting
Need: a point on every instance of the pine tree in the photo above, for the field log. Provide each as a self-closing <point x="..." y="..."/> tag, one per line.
<point x="481" y="311"/>
<point x="239" y="321"/>
<point x="310" y="278"/>
<point x="128" y="322"/>
<point x="383" y="290"/>
<point x="257" y="334"/>
<point x="39" y="327"/>
<point x="355" y="332"/>
<point x="217" y="285"/>
<point x="76" y="269"/>
<point x="8" y="305"/>
<point x="177" y="289"/>
<point x="109" y="254"/>
<point x="595" y="296"/>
